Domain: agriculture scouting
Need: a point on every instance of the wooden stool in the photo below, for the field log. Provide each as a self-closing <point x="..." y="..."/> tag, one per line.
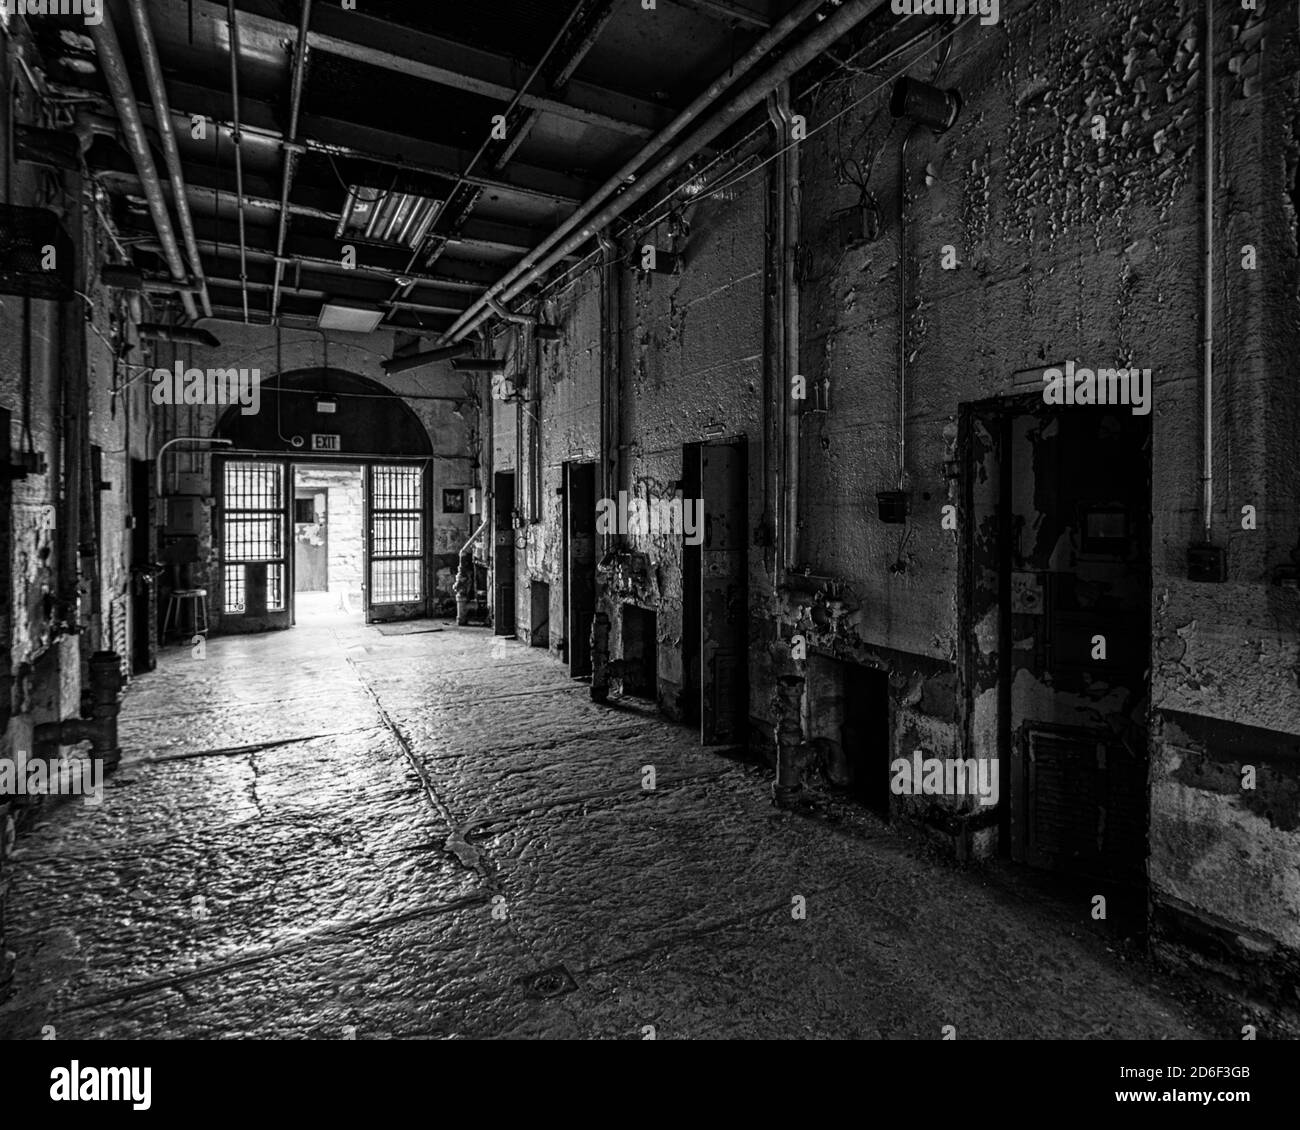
<point x="198" y="602"/>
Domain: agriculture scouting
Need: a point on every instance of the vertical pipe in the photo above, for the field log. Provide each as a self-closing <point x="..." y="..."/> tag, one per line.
<point x="1207" y="345"/>
<point x="790" y="326"/>
<point x="775" y="338"/>
<point x="902" y="304"/>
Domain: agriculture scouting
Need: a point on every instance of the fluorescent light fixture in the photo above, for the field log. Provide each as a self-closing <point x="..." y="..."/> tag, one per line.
<point x="376" y="215"/>
<point x="352" y="317"/>
<point x="326" y="404"/>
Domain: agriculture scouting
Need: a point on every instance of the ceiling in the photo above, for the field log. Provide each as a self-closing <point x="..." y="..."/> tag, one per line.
<point x="397" y="99"/>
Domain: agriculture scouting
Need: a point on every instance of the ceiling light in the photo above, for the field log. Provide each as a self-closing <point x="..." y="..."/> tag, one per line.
<point x="376" y="215"/>
<point x="353" y="317"/>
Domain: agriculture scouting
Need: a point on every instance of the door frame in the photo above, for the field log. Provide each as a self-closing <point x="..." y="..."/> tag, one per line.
<point x="405" y="610"/>
<point x="288" y="464"/>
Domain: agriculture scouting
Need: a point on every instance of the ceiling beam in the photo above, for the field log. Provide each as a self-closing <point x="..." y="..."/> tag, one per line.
<point x="580" y="40"/>
<point x="261" y="278"/>
<point x="726" y="12"/>
<point x="206" y="187"/>
<point x="259" y="123"/>
<point x="380" y="43"/>
<point x="296" y="310"/>
<point x="455" y="275"/>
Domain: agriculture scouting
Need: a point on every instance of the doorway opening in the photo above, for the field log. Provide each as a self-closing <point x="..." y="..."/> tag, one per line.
<point x="329" y="542"/>
<point x="849" y="726"/>
<point x="539" y="622"/>
<point x="144" y="576"/>
<point x="640" y="653"/>
<point x="715" y="600"/>
<point x="503" y="553"/>
<point x="580" y="562"/>
<point x="1055" y="626"/>
<point x="321" y="539"/>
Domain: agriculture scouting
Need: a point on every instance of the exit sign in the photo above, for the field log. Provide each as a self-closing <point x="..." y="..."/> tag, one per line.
<point x="326" y="443"/>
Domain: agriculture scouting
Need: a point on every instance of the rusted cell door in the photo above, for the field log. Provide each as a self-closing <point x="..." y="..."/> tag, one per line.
<point x="580" y="575"/>
<point x="724" y="697"/>
<point x="503" y="554"/>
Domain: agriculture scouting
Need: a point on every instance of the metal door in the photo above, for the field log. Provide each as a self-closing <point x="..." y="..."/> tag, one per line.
<point x="724" y="594"/>
<point x="396" y="542"/>
<point x="580" y="534"/>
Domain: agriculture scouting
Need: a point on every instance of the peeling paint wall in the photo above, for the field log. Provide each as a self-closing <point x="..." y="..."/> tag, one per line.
<point x="1068" y="192"/>
<point x="690" y="365"/>
<point x="68" y="596"/>
<point x="1074" y="246"/>
<point x="566" y="389"/>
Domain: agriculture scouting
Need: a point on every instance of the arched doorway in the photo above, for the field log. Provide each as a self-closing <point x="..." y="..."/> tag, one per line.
<point x="318" y="435"/>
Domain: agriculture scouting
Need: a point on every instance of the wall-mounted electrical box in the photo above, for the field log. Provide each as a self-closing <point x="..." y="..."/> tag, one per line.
<point x="36" y="257"/>
<point x="892" y="506"/>
<point x="1206" y="562"/>
<point x="859" y="223"/>
<point x="184" y="514"/>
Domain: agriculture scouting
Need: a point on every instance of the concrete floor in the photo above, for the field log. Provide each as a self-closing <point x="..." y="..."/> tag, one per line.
<point x="333" y="832"/>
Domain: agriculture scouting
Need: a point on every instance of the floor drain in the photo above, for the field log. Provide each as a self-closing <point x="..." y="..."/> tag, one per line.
<point x="546" y="983"/>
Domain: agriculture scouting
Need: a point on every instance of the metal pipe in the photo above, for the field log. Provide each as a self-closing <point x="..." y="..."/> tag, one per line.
<point x="158" y="465"/>
<point x="239" y="157"/>
<point x="393" y="365"/>
<point x="607" y="255"/>
<point x="788" y="172"/>
<point x="507" y="316"/>
<point x="586" y="218"/>
<point x="179" y="335"/>
<point x="162" y="113"/>
<point x="1207" y="344"/>
<point x="100" y="728"/>
<point x="290" y="149"/>
<point x="902" y="304"/>
<point x="474" y="537"/>
<point x="118" y="78"/>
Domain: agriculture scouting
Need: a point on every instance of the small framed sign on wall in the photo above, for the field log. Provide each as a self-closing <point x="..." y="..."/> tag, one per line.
<point x="453" y="500"/>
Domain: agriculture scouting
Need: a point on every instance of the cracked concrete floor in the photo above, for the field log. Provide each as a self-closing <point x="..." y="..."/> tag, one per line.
<point x="336" y="833"/>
